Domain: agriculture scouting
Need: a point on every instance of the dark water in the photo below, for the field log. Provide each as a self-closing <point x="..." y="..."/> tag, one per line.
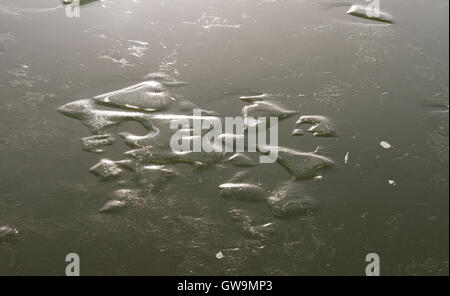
<point x="370" y="81"/>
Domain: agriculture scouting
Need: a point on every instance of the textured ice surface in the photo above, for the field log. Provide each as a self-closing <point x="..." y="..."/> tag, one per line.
<point x="136" y="141"/>
<point x="367" y="13"/>
<point x="106" y="169"/>
<point x="241" y="160"/>
<point x="7" y="233"/>
<point x="112" y="206"/>
<point x="167" y="182"/>
<point x="385" y="145"/>
<point x="154" y="176"/>
<point x="153" y="162"/>
<point x="165" y="79"/>
<point x="98" y="120"/>
<point x="255" y="98"/>
<point x="93" y="143"/>
<point x="321" y="125"/>
<point x="290" y="200"/>
<point x="146" y="96"/>
<point x="298" y="132"/>
<point x="163" y="155"/>
<point x="249" y="225"/>
<point x="242" y="191"/>
<point x="125" y="194"/>
<point x="266" y="110"/>
<point x="302" y="165"/>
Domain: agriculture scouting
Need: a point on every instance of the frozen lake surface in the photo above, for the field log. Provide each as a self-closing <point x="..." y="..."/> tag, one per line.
<point x="85" y="109"/>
